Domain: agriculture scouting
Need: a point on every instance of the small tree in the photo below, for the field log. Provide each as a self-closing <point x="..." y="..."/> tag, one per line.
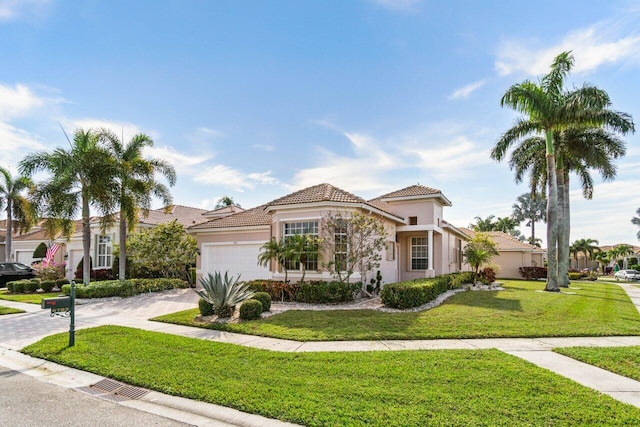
<point x="354" y="241"/>
<point x="274" y="250"/>
<point x="480" y="250"/>
<point x="40" y="251"/>
<point x="164" y="251"/>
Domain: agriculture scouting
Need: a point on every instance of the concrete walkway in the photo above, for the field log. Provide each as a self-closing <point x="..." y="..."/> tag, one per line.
<point x="20" y="330"/>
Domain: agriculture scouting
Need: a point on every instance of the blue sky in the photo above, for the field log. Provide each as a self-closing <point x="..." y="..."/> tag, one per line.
<point x="258" y="99"/>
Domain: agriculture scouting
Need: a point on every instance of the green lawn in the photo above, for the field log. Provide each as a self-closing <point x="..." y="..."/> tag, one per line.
<point x="410" y="388"/>
<point x="621" y="360"/>
<point x="596" y="309"/>
<point x="34" y="298"/>
<point x="8" y="310"/>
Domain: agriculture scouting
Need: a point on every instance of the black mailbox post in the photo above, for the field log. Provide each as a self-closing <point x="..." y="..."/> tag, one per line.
<point x="64" y="306"/>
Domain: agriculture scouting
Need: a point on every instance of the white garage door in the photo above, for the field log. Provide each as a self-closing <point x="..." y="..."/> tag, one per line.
<point x="25" y="257"/>
<point x="240" y="258"/>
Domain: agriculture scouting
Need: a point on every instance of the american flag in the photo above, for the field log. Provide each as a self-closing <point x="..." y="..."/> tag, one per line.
<point x="48" y="258"/>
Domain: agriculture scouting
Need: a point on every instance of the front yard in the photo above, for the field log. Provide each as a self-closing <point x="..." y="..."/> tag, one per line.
<point x="521" y="310"/>
<point x="32" y="298"/>
<point x="8" y="310"/>
<point x="417" y="388"/>
<point x="621" y="360"/>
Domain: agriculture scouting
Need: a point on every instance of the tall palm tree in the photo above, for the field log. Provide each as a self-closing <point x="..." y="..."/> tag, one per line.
<point x="225" y="201"/>
<point x="550" y="109"/>
<point x="636" y="221"/>
<point x="581" y="151"/>
<point x="622" y="250"/>
<point x="16" y="205"/>
<point x="486" y="224"/>
<point x="79" y="178"/>
<point x="587" y="247"/>
<point x="134" y="184"/>
<point x="531" y="208"/>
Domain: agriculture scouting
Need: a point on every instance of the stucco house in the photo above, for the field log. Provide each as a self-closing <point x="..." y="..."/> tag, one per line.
<point x="70" y="252"/>
<point x="512" y="253"/>
<point x="420" y="243"/>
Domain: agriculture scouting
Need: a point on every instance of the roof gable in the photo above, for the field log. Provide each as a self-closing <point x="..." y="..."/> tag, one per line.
<point x="251" y="217"/>
<point x="317" y="193"/>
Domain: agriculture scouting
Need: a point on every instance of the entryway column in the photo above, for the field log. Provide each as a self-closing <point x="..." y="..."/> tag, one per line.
<point x="430" y="253"/>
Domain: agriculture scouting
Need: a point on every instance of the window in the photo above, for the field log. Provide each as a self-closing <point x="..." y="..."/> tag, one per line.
<point x="341" y="248"/>
<point x="413" y="220"/>
<point x="419" y="253"/>
<point x="104" y="251"/>
<point x="310" y="257"/>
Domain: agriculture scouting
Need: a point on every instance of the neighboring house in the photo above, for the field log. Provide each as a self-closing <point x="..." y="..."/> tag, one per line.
<point x="581" y="261"/>
<point x="70" y="252"/>
<point x="419" y="242"/>
<point x="512" y="254"/>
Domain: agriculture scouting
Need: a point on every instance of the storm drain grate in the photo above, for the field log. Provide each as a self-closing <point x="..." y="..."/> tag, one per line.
<point x="114" y="390"/>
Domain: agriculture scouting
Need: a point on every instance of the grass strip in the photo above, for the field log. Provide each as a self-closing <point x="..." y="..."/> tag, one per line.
<point x="521" y="310"/>
<point x="9" y="310"/>
<point x="410" y="388"/>
<point x="624" y="361"/>
<point x="34" y="298"/>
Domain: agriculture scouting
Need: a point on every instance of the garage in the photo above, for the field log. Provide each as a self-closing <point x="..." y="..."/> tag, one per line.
<point x="236" y="258"/>
<point x="25" y="257"/>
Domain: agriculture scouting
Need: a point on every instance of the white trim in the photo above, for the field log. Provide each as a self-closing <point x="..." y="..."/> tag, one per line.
<point x="440" y="196"/>
<point x="251" y="242"/>
<point x="430" y="250"/>
<point x="326" y="206"/>
<point x="411" y="228"/>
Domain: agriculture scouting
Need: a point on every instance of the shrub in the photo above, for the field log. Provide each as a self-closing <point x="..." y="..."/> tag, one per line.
<point x="326" y="292"/>
<point x="127" y="288"/>
<point x="61" y="282"/>
<point x="50" y="272"/>
<point x="264" y="299"/>
<point x="192" y="277"/>
<point x="224" y="292"/>
<point x="405" y="295"/>
<point x="487" y="275"/>
<point x="102" y="274"/>
<point x="278" y="291"/>
<point x="533" y="273"/>
<point x="250" y="309"/>
<point x="575" y="275"/>
<point x="47" y="285"/>
<point x="205" y="307"/>
<point x="31" y="287"/>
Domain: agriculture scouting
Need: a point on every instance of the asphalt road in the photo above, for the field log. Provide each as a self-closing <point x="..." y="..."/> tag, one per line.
<point x="26" y="401"/>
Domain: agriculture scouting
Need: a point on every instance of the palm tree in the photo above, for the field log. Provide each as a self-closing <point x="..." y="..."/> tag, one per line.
<point x="581" y="151"/>
<point x="276" y="250"/>
<point x="79" y="177"/>
<point x="550" y="109"/>
<point x="603" y="258"/>
<point x="225" y="201"/>
<point x="134" y="184"/>
<point x="16" y="205"/>
<point x="481" y="225"/>
<point x="588" y="247"/>
<point x="530" y="208"/>
<point x="636" y="221"/>
<point x="299" y="247"/>
<point x="622" y="250"/>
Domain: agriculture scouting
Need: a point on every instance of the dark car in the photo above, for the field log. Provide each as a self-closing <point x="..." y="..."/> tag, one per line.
<point x="14" y="271"/>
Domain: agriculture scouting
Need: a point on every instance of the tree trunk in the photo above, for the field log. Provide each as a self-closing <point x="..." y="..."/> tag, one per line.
<point x="86" y="240"/>
<point x="552" y="218"/>
<point x="9" y="238"/>
<point x="563" y="244"/>
<point x="533" y="231"/>
<point x="122" y="256"/>
<point x="567" y="217"/>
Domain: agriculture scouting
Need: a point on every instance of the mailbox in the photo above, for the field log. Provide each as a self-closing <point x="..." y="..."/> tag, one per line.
<point x="56" y="303"/>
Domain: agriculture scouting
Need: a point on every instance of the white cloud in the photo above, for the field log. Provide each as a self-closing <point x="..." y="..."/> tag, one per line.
<point x="123" y="130"/>
<point x="15" y="144"/>
<point x="232" y="178"/>
<point x="606" y="42"/>
<point x="18" y="101"/>
<point x="399" y="5"/>
<point x="183" y="163"/>
<point x="362" y="171"/>
<point x="465" y="91"/>
<point x="13" y="9"/>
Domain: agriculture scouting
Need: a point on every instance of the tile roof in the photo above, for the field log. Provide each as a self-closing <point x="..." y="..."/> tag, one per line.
<point x="504" y="241"/>
<point x="317" y="193"/>
<point x="413" y="190"/>
<point x="185" y="215"/>
<point x="250" y="217"/>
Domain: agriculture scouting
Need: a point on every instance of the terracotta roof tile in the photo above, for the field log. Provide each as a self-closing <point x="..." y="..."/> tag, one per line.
<point x="413" y="190"/>
<point x="185" y="215"/>
<point x="503" y="240"/>
<point x="317" y="193"/>
<point x="250" y="217"/>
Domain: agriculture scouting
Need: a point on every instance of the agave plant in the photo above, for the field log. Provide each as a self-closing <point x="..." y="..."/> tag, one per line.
<point x="223" y="293"/>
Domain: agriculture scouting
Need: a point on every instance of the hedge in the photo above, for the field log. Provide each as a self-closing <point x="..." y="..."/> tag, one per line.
<point x="250" y="309"/>
<point x="533" y="273"/>
<point x="112" y="288"/>
<point x="320" y="292"/>
<point x="404" y="295"/>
